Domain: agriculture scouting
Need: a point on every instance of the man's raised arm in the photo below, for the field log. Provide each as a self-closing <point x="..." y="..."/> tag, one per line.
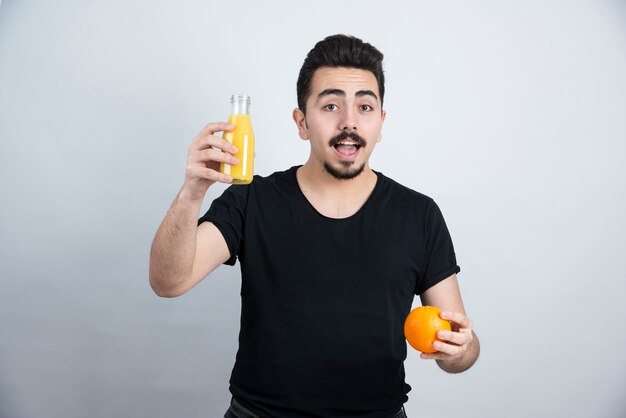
<point x="183" y="253"/>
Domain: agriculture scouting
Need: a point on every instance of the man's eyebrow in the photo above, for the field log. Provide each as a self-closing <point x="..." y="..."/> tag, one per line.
<point x="331" y="92"/>
<point x="339" y="92"/>
<point x="362" y="93"/>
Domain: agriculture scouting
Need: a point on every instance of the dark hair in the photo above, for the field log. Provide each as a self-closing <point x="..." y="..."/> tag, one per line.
<point x="339" y="51"/>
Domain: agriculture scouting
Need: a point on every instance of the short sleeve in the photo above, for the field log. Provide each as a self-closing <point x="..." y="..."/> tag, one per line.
<point x="439" y="257"/>
<point x="227" y="213"/>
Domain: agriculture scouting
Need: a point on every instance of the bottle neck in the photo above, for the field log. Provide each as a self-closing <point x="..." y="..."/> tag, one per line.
<point x="240" y="104"/>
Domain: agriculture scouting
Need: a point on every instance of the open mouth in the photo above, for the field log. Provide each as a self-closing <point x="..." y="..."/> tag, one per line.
<point x="347" y="148"/>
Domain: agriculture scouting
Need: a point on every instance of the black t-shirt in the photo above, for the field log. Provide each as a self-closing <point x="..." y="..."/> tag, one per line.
<point x="324" y="300"/>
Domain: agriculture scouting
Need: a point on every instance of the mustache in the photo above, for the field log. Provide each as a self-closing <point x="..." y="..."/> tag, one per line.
<point x="345" y="135"/>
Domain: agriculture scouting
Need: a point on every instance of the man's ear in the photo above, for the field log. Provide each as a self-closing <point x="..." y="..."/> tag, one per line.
<point x="300" y="120"/>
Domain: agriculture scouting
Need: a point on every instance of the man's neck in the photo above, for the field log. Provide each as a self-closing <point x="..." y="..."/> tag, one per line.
<point x="335" y="198"/>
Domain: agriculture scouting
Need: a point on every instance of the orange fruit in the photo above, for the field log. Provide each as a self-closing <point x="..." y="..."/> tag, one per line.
<point x="421" y="326"/>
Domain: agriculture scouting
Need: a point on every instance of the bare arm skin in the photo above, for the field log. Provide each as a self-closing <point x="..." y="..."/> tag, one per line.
<point x="183" y="253"/>
<point x="461" y="347"/>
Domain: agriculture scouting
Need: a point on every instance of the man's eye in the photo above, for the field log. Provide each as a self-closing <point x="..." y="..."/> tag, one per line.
<point x="367" y="108"/>
<point x="330" y="107"/>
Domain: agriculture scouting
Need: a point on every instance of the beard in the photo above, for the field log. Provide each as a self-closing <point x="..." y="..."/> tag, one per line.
<point x="347" y="169"/>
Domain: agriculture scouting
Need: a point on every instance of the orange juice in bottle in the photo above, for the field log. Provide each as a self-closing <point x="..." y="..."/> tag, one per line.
<point x="241" y="137"/>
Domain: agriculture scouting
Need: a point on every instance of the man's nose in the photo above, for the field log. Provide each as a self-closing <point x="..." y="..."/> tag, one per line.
<point x="348" y="122"/>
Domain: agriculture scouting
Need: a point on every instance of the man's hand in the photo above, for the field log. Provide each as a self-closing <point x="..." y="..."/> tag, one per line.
<point x="459" y="348"/>
<point x="205" y="154"/>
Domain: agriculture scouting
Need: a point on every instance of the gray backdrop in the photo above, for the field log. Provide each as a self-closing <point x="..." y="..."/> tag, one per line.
<point x="510" y="114"/>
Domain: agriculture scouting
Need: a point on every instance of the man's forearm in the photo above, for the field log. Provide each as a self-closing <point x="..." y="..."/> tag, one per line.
<point x="174" y="246"/>
<point x="465" y="362"/>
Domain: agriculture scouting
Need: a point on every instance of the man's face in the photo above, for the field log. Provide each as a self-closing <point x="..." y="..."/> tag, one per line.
<point x="343" y="119"/>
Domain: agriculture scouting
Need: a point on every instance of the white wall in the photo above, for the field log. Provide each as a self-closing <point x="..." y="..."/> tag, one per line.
<point x="510" y="114"/>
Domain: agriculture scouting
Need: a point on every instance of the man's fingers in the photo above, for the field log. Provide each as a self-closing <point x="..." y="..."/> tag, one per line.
<point x="213" y="154"/>
<point x="449" y="349"/>
<point x="212" y="141"/>
<point x="205" y="137"/>
<point x="212" y="175"/>
<point x="217" y="142"/>
<point x="453" y="337"/>
<point x="433" y="356"/>
<point x="213" y="127"/>
<point x="462" y="320"/>
<point x="453" y="344"/>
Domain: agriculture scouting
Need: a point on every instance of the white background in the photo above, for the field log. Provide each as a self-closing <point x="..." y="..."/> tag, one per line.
<point x="511" y="115"/>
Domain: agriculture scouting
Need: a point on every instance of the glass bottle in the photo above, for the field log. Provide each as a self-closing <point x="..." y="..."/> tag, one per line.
<point x="242" y="138"/>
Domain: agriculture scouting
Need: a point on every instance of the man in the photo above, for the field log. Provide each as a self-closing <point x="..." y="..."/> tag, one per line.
<point x="331" y="253"/>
